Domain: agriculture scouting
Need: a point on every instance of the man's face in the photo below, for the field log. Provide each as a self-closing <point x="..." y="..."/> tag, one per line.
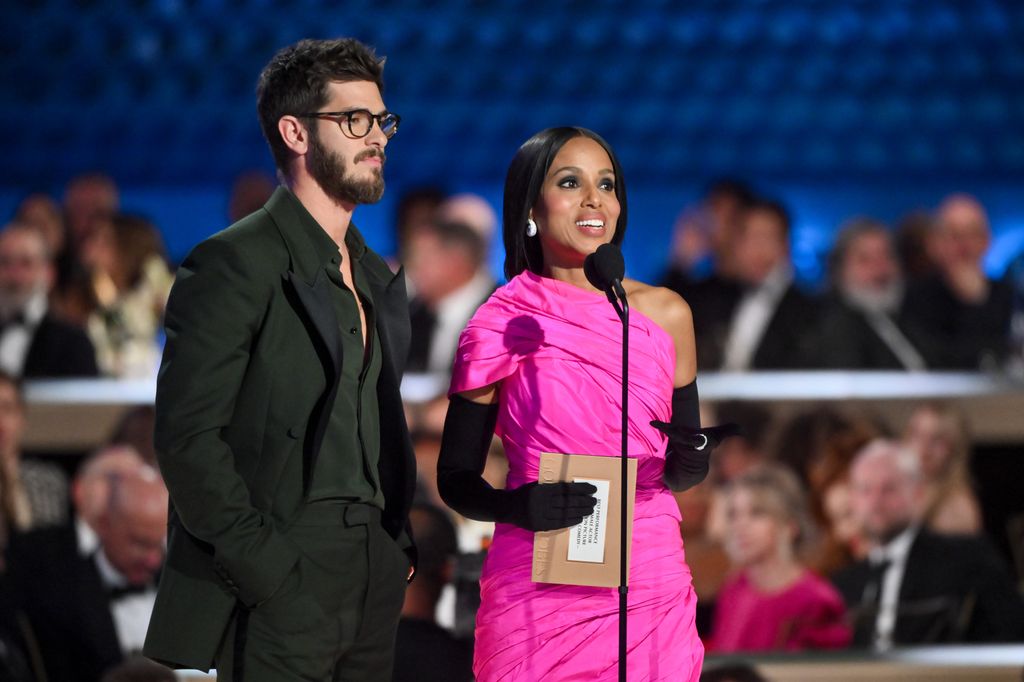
<point x="963" y="232"/>
<point x="883" y="497"/>
<point x="134" y="543"/>
<point x="24" y="268"/>
<point x="760" y="246"/>
<point x="12" y="420"/>
<point x="347" y="168"/>
<point x="870" y="264"/>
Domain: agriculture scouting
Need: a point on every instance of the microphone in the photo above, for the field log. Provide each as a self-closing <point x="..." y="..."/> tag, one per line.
<point x="605" y="269"/>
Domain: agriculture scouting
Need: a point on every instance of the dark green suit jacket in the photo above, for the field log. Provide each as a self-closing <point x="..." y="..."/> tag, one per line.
<point x="244" y="394"/>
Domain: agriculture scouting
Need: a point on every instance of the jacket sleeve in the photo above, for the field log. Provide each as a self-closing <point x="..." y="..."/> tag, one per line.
<point x="212" y="317"/>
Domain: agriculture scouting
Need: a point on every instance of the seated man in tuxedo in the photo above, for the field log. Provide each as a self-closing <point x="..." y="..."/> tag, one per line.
<point x="88" y="613"/>
<point x="958" y="317"/>
<point x="917" y="587"/>
<point x="447" y="264"/>
<point x="33" y="342"/>
<point x="859" y="326"/>
<point x="767" y="324"/>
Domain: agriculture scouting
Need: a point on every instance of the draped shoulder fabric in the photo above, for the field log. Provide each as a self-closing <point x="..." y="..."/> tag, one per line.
<point x="557" y="352"/>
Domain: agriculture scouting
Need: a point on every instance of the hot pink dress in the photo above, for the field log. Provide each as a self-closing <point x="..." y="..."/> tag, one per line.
<point x="809" y="614"/>
<point x="557" y="351"/>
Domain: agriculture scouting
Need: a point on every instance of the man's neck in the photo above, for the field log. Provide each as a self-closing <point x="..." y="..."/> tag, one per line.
<point x="332" y="215"/>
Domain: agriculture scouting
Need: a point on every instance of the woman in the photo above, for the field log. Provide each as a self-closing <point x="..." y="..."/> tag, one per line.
<point x="773" y="603"/>
<point x="539" y="364"/>
<point x="937" y="433"/>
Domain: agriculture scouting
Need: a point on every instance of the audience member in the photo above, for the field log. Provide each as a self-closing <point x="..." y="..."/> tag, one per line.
<point x="130" y="282"/>
<point x="90" y="490"/>
<point x="136" y="429"/>
<point x="424" y="651"/>
<point x="87" y="613"/>
<point x="448" y="267"/>
<point x="959" y="318"/>
<point x="768" y="326"/>
<point x="731" y="672"/>
<point x="702" y="243"/>
<point x="86" y="198"/>
<point x="416" y="208"/>
<point x="859" y="326"/>
<point x="915" y="245"/>
<point x="139" y="669"/>
<point x="773" y="602"/>
<point x="34" y="493"/>
<point x="250" y="190"/>
<point x="818" y="445"/>
<point x="33" y="342"/>
<point x="937" y="434"/>
<point x="43" y="213"/>
<point x="917" y="587"/>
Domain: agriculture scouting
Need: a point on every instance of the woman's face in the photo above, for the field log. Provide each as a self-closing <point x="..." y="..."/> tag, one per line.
<point x="577" y="209"/>
<point x="754" y="533"/>
<point x="926" y="434"/>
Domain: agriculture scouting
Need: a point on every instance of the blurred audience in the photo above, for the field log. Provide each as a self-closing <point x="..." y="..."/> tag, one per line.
<point x="43" y="213"/>
<point x="937" y="434"/>
<point x="86" y="198"/>
<point x="128" y="286"/>
<point x="957" y="317"/>
<point x="34" y="343"/>
<point x="424" y="651"/>
<point x="91" y="489"/>
<point x="417" y="207"/>
<point x="818" y="445"/>
<point x="731" y="672"/>
<point x="916" y="245"/>
<point x="918" y="587"/>
<point x="34" y="493"/>
<point x="447" y="264"/>
<point x="772" y="602"/>
<point x="766" y="327"/>
<point x="859" y="326"/>
<point x="87" y="613"/>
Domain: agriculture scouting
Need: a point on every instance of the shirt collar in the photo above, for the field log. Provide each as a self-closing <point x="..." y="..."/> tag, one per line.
<point x="896" y="550"/>
<point x="109" y="576"/>
<point x="321" y="242"/>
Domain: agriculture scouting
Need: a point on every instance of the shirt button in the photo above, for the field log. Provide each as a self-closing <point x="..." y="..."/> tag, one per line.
<point x="353" y="330"/>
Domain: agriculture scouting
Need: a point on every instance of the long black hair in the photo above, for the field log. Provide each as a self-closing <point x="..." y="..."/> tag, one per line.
<point x="523" y="182"/>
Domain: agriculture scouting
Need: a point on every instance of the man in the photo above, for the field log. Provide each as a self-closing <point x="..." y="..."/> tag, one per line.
<point x="426" y="651"/>
<point x="448" y="266"/>
<point x="859" y="326"/>
<point x="33" y="343"/>
<point x="88" y="612"/>
<point x="958" y="317"/>
<point x="917" y="587"/>
<point x="766" y="327"/>
<point x="279" y="424"/>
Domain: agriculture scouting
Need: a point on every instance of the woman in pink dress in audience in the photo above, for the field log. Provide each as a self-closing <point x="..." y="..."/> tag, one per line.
<point x="773" y="603"/>
<point x="540" y="365"/>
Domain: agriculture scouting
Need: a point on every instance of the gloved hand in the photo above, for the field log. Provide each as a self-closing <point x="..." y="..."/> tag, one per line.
<point x="548" y="506"/>
<point x="688" y="457"/>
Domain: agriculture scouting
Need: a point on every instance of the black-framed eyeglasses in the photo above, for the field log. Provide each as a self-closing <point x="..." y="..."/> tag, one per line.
<point x="360" y="121"/>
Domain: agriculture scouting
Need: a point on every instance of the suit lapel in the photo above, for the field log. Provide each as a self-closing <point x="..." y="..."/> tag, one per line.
<point x="316" y="301"/>
<point x="391" y="307"/>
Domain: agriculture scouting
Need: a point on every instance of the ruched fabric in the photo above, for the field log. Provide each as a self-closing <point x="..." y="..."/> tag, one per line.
<point x="557" y="351"/>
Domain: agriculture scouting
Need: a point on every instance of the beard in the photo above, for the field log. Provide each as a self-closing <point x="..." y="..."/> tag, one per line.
<point x="885" y="299"/>
<point x="330" y="171"/>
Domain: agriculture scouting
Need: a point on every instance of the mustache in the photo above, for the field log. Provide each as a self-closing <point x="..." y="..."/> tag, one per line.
<point x="368" y="153"/>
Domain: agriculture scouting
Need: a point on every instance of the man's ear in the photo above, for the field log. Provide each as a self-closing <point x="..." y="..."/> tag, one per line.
<point x="294" y="134"/>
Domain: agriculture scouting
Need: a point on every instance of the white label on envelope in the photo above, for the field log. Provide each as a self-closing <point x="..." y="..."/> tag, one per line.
<point x="586" y="539"/>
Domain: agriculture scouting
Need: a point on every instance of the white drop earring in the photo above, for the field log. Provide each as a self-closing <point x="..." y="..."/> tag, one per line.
<point x="531" y="228"/>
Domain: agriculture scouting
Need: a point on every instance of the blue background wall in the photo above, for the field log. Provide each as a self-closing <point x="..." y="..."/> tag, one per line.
<point x="839" y="108"/>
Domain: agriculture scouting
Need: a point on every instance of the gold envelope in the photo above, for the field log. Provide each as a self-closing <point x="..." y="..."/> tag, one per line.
<point x="551" y="562"/>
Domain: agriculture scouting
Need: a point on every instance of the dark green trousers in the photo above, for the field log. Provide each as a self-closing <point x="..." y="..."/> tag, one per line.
<point x="334" y="618"/>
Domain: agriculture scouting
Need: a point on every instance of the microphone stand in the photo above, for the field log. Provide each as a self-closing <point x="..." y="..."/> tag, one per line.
<point x="617" y="297"/>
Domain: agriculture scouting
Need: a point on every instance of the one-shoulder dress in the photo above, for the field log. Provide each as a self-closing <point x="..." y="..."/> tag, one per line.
<point x="557" y="351"/>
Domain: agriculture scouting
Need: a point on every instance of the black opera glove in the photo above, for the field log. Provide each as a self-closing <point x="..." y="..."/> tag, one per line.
<point x="549" y="506"/>
<point x="468" y="429"/>
<point x="689" y="447"/>
<point x="689" y="452"/>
